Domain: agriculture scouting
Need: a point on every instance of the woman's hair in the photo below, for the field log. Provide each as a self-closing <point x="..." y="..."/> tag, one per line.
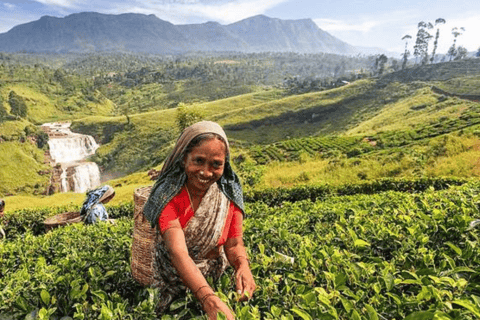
<point x="2" y="204"/>
<point x="204" y="137"/>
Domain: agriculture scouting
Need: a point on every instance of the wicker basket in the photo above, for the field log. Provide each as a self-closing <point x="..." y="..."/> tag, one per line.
<point x="62" y="219"/>
<point x="143" y="240"/>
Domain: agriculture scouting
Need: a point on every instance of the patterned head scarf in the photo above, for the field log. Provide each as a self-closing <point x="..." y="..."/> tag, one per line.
<point x="96" y="196"/>
<point x="173" y="177"/>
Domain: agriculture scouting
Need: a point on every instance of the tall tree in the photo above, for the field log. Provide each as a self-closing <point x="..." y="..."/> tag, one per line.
<point x="3" y="111"/>
<point x="462" y="52"/>
<point x="437" y="35"/>
<point x="452" y="51"/>
<point x="421" y="43"/>
<point x="406" y="54"/>
<point x="380" y="62"/>
<point x="17" y="105"/>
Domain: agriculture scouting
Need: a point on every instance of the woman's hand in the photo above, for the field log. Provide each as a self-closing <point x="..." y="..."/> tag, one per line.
<point x="237" y="256"/>
<point x="213" y="304"/>
<point x="245" y="285"/>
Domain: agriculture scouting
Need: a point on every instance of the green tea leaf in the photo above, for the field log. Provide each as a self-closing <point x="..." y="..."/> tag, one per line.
<point x="420" y="315"/>
<point x="359" y="243"/>
<point x="467" y="304"/>
<point x="302" y="314"/>
<point x="389" y="281"/>
<point x="372" y="314"/>
<point x="45" y="297"/>
<point x="454" y="248"/>
<point x="276" y="311"/>
<point x="22" y="303"/>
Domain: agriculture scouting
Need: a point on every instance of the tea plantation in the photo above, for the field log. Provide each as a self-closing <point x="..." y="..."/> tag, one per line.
<point x="407" y="250"/>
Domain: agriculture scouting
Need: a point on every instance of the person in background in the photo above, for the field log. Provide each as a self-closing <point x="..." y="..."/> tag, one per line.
<point x="196" y="205"/>
<point x="2" y="209"/>
<point x="93" y="208"/>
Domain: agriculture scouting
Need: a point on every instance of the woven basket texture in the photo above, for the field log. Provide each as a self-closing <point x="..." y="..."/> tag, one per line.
<point x="62" y="219"/>
<point x="143" y="240"/>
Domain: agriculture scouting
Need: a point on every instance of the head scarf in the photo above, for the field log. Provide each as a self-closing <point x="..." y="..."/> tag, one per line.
<point x="173" y="177"/>
<point x="96" y="196"/>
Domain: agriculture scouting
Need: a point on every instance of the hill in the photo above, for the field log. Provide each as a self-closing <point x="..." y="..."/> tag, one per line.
<point x="95" y="32"/>
<point x="267" y="125"/>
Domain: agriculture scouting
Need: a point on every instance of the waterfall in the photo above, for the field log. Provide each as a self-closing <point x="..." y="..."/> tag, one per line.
<point x="69" y="150"/>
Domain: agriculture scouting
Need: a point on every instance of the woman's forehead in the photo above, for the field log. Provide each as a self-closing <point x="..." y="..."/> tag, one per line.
<point x="210" y="146"/>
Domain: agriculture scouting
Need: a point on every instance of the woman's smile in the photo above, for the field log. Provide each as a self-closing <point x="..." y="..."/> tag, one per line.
<point x="204" y="165"/>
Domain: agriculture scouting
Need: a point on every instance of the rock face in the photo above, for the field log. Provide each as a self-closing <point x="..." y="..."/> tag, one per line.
<point x="67" y="153"/>
<point x="94" y="32"/>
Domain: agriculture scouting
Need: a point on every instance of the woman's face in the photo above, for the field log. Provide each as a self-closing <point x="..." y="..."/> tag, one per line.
<point x="204" y="165"/>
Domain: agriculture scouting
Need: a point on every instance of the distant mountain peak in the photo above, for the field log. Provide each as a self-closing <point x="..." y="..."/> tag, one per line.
<point x="136" y="32"/>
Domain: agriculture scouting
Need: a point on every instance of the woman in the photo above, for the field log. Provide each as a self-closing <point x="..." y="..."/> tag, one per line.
<point x="2" y="208"/>
<point x="197" y="207"/>
<point x="92" y="208"/>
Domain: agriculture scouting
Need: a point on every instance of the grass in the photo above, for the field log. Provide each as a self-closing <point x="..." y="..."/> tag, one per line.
<point x="40" y="107"/>
<point x="21" y="164"/>
<point x="13" y="130"/>
<point x="421" y="108"/>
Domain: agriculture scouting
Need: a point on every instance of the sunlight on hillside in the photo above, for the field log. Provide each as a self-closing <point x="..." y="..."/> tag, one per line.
<point x="422" y="108"/>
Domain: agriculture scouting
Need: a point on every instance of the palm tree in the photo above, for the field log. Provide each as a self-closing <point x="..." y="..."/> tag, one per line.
<point x="407" y="52"/>
<point x="421" y="43"/>
<point x="437" y="35"/>
<point x="452" y="52"/>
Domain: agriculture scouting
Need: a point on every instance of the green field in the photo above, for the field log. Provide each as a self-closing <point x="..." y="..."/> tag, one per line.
<point x="362" y="199"/>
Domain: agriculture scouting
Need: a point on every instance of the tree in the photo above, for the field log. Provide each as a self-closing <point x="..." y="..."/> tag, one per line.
<point x="3" y="111"/>
<point x="406" y="54"/>
<point x="452" y="51"/>
<point x="380" y="62"/>
<point x="461" y="53"/>
<point x="186" y="116"/>
<point x="437" y="35"/>
<point x="421" y="43"/>
<point x="17" y="105"/>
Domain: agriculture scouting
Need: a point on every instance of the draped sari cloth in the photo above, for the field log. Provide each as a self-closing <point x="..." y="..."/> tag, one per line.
<point x="204" y="229"/>
<point x="92" y="208"/>
<point x="202" y="233"/>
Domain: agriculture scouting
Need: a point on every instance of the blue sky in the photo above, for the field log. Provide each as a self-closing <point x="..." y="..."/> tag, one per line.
<point x="361" y="23"/>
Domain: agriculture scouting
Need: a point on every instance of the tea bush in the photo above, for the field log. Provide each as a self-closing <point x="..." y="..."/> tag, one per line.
<point x="405" y="253"/>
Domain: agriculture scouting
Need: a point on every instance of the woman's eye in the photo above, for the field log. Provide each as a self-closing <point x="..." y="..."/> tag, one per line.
<point x="217" y="165"/>
<point x="198" y="161"/>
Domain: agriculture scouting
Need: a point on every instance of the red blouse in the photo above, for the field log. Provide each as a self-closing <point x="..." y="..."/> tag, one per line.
<point x="180" y="208"/>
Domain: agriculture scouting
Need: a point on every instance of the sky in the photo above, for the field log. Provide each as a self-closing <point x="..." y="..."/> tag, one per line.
<point x="380" y="24"/>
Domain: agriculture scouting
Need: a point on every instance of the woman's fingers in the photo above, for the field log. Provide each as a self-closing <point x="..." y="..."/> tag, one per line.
<point x="245" y="284"/>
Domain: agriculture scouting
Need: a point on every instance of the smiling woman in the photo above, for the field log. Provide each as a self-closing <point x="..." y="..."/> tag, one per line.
<point x="196" y="206"/>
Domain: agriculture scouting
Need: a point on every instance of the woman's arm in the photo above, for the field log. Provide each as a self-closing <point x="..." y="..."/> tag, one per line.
<point x="190" y="274"/>
<point x="237" y="256"/>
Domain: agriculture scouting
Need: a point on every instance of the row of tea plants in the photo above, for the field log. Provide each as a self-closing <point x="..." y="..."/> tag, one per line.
<point x="388" y="255"/>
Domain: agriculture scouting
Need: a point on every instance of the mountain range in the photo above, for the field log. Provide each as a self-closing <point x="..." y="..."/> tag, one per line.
<point x="132" y="32"/>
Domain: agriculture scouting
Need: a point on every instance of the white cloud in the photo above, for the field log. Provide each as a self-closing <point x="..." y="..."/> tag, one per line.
<point x="58" y="3"/>
<point x="470" y="38"/>
<point x="340" y="25"/>
<point x="180" y="12"/>
<point x="9" y="5"/>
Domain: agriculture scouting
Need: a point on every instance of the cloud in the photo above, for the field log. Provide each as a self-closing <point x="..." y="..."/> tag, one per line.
<point x="186" y="11"/>
<point x="470" y="39"/>
<point x="340" y="25"/>
<point x="9" y="5"/>
<point x="58" y="3"/>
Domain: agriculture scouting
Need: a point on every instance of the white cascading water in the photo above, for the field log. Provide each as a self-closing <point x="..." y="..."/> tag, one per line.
<point x="70" y="150"/>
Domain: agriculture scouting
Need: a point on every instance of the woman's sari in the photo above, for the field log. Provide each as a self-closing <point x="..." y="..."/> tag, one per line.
<point x="204" y="229"/>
